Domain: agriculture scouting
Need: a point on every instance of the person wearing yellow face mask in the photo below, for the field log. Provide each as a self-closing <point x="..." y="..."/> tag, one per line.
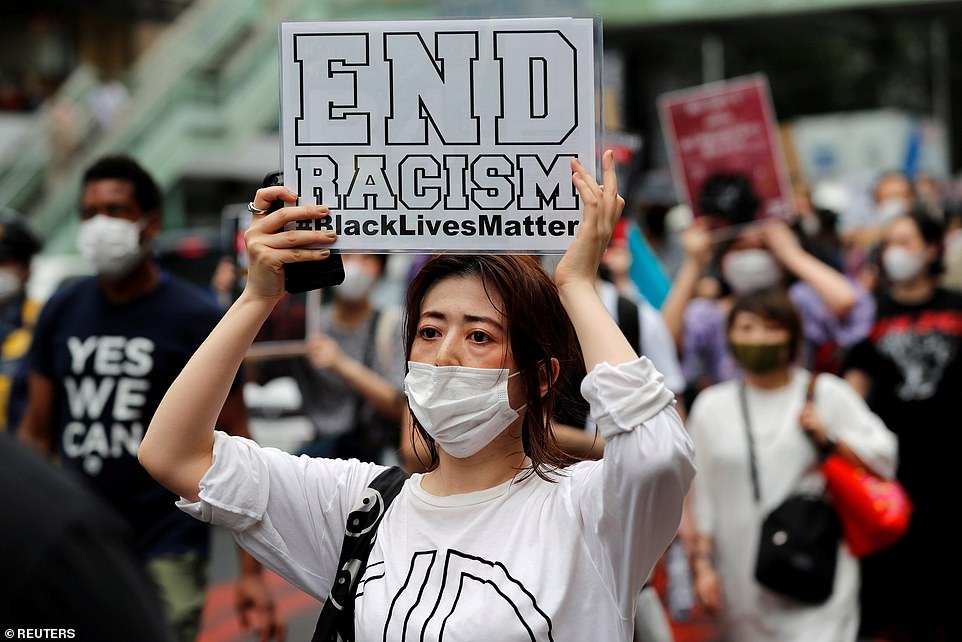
<point x="789" y="435"/>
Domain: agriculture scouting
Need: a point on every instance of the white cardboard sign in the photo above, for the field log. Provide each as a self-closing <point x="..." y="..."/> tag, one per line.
<point x="440" y="135"/>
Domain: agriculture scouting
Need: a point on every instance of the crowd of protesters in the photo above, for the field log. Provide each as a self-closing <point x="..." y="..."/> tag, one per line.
<point x="756" y="315"/>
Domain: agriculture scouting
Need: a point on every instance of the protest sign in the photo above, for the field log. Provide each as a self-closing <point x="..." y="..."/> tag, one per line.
<point x="725" y="152"/>
<point x="440" y="135"/>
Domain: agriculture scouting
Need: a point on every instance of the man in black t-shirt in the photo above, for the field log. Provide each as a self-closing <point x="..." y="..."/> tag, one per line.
<point x="105" y="350"/>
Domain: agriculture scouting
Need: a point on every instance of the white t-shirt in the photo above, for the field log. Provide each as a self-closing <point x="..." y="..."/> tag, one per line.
<point x="524" y="560"/>
<point x="725" y="508"/>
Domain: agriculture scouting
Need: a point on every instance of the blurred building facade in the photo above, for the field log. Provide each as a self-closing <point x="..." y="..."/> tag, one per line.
<point x="190" y="88"/>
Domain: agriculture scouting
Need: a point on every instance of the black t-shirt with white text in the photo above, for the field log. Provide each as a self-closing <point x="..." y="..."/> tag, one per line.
<point x="111" y="364"/>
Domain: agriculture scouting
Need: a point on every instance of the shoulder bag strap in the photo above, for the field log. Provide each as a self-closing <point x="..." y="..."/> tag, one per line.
<point x="810" y="390"/>
<point x="336" y="621"/>
<point x="743" y="402"/>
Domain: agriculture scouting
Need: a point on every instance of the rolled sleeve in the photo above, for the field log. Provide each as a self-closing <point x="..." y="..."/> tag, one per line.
<point x="624" y="396"/>
<point x="234" y="490"/>
<point x="288" y="512"/>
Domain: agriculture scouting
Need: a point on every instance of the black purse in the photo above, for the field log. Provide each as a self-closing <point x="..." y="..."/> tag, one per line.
<point x="798" y="547"/>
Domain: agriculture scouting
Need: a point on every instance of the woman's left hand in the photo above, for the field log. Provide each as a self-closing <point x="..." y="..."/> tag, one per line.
<point x="602" y="207"/>
<point x="780" y="239"/>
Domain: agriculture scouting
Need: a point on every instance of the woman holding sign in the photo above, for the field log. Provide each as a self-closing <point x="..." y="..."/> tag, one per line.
<point x="505" y="538"/>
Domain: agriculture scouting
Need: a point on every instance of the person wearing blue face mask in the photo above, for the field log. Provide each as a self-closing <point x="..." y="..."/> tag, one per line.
<point x="105" y="348"/>
<point x="505" y="537"/>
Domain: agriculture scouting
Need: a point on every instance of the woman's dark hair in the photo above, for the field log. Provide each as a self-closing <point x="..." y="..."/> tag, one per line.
<point x="124" y="168"/>
<point x="772" y="304"/>
<point x="932" y="233"/>
<point x="729" y="196"/>
<point x="538" y="330"/>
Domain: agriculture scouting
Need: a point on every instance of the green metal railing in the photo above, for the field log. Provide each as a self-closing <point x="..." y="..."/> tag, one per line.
<point x="210" y="79"/>
<point x="209" y="82"/>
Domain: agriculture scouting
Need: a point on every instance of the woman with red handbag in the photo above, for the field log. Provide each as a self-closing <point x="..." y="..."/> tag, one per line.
<point x="760" y="442"/>
<point x="910" y="371"/>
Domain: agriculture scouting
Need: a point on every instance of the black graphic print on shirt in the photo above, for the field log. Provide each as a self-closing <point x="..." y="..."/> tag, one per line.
<point x="444" y="590"/>
<point x="921" y="346"/>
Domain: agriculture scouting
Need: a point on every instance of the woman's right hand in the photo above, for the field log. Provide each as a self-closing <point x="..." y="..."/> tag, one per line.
<point x="708" y="588"/>
<point x="269" y="247"/>
<point x="698" y="242"/>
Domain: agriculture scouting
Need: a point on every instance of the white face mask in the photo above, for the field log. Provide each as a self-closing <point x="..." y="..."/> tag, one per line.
<point x="892" y="208"/>
<point x="463" y="409"/>
<point x="357" y="283"/>
<point x="10" y="285"/>
<point x="111" y="244"/>
<point x="902" y="265"/>
<point x="750" y="270"/>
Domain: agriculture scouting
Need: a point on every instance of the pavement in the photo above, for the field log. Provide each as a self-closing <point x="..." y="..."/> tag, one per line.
<point x="220" y="622"/>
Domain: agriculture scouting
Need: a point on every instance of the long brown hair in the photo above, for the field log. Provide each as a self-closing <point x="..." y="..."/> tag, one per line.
<point x="538" y="329"/>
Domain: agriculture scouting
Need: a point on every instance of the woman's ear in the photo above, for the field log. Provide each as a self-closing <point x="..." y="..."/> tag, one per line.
<point x="543" y="374"/>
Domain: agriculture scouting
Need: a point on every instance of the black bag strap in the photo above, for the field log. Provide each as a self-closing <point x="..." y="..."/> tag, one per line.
<point x="629" y="321"/>
<point x="746" y="421"/>
<point x="743" y="401"/>
<point x="336" y="621"/>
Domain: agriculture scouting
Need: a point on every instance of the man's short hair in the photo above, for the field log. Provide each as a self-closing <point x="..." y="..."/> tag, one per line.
<point x="124" y="168"/>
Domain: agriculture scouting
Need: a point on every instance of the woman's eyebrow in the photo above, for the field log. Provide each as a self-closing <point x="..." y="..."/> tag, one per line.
<point x="468" y="318"/>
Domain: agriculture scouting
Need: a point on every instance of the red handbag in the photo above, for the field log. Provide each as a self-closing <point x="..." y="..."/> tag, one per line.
<point x="874" y="512"/>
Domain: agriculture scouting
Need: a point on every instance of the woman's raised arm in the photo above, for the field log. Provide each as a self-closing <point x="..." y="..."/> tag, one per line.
<point x="177" y="448"/>
<point x="598" y="333"/>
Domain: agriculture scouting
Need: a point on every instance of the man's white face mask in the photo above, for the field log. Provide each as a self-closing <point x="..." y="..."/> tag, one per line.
<point x="112" y="245"/>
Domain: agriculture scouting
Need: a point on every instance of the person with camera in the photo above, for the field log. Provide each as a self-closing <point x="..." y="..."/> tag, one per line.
<point x="759" y="439"/>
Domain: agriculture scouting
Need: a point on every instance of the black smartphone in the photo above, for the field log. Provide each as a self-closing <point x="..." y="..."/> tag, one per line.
<point x="309" y="275"/>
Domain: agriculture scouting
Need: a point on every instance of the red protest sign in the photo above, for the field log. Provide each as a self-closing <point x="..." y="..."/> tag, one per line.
<point x="725" y="152"/>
